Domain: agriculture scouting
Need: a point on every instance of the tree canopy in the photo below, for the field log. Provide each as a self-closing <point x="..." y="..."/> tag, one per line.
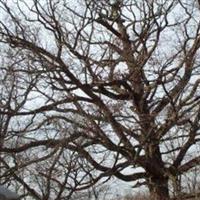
<point x="97" y="89"/>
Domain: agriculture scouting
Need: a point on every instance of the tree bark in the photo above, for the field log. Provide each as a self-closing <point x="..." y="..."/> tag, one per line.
<point x="158" y="188"/>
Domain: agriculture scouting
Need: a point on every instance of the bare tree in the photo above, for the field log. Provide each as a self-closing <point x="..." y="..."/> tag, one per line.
<point x="113" y="83"/>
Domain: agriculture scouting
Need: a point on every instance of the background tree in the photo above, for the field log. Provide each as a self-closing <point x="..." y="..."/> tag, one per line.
<point x="110" y="85"/>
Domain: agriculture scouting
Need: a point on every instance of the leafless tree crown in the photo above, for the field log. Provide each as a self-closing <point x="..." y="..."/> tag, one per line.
<point x="91" y="90"/>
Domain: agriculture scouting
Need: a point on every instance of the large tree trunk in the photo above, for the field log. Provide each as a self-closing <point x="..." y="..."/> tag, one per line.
<point x="158" y="188"/>
<point x="157" y="179"/>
